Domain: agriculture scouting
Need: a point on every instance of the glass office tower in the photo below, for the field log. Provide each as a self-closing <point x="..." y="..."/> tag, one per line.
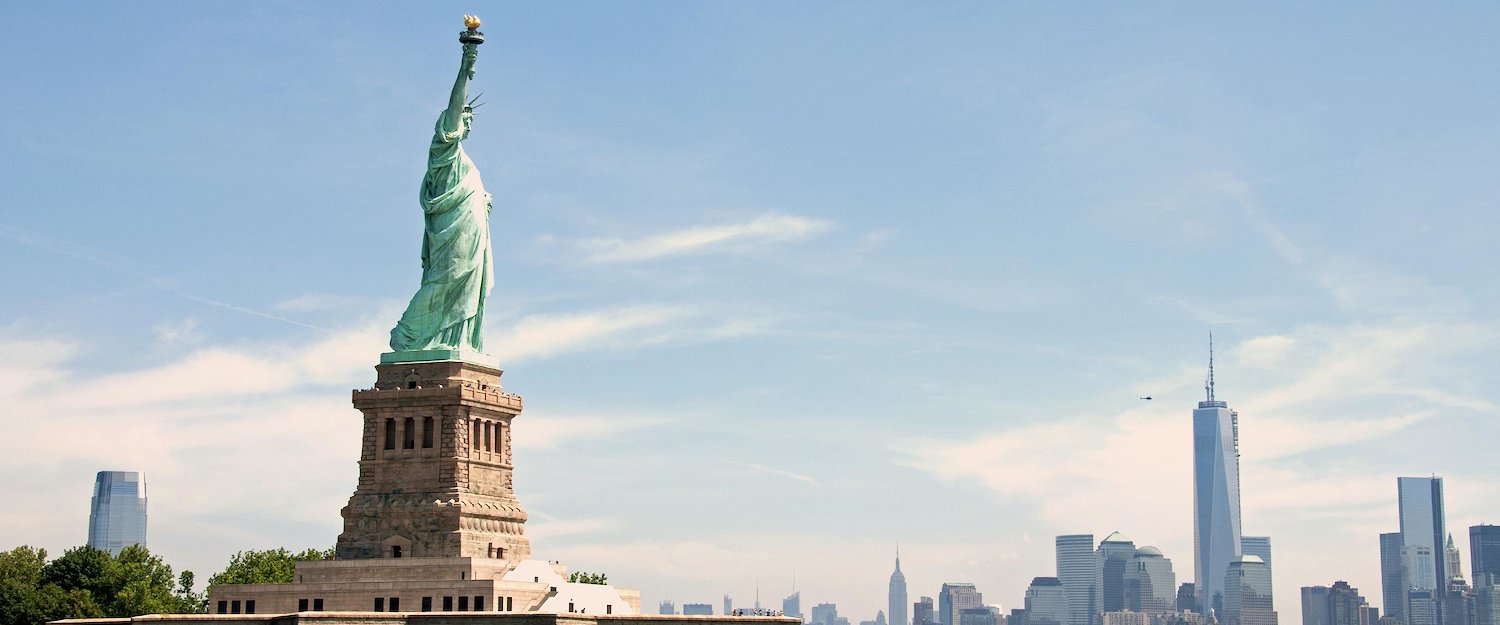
<point x="117" y="516"/>
<point x="1075" y="569"/>
<point x="1216" y="495"/>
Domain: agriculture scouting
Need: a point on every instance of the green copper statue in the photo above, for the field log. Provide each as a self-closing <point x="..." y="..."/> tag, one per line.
<point x="445" y="317"/>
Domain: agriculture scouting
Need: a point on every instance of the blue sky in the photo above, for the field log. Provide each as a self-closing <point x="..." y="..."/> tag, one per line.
<point x="783" y="285"/>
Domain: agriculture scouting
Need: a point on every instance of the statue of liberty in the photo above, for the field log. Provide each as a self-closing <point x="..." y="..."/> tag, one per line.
<point x="445" y="317"/>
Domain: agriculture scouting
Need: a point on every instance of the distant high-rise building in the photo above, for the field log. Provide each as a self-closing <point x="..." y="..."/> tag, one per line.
<point x="1456" y="603"/>
<point x="825" y="614"/>
<point x="1421" y="607"/>
<point x="1187" y="597"/>
<point x="1422" y="531"/>
<point x="666" y="607"/>
<point x="1110" y="562"/>
<point x="1260" y="547"/>
<point x="1486" y="597"/>
<point x="792" y="605"/>
<point x="1315" y="605"/>
<point x="1484" y="551"/>
<point x="922" y="612"/>
<point x="896" y="597"/>
<point x="697" y="609"/>
<point x="1451" y="564"/>
<point x="956" y="597"/>
<point x="1392" y="576"/>
<point x="979" y="615"/>
<point x="728" y="605"/>
<point x="1216" y="493"/>
<point x="1075" y="569"/>
<point x="117" y="514"/>
<point x="880" y="617"/>
<point x="1247" y="593"/>
<point x="1123" y="617"/>
<point x="1336" y="605"/>
<point x="1017" y="616"/>
<point x="1046" y="602"/>
<point x="1150" y="584"/>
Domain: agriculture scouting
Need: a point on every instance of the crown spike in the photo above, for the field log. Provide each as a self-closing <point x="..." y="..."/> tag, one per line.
<point x="1209" y="384"/>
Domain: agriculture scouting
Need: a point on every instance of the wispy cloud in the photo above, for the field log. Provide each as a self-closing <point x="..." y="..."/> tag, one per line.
<point x="122" y="265"/>
<point x="548" y="334"/>
<point x="702" y="239"/>
<point x="547" y="431"/>
<point x="775" y="471"/>
<point x="551" y="334"/>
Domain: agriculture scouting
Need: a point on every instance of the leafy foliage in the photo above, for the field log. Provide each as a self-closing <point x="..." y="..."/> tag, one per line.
<point x="88" y="583"/>
<point x="268" y="566"/>
<point x="582" y="577"/>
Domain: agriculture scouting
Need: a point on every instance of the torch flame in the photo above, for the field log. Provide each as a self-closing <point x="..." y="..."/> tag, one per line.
<point x="471" y="21"/>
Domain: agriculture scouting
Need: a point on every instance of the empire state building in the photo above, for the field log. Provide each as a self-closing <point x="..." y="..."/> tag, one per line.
<point x="898" y="605"/>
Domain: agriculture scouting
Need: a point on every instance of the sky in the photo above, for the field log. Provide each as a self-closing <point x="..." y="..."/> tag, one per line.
<point x="784" y="285"/>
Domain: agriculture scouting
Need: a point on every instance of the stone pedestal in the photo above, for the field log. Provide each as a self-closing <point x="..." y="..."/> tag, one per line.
<point x="435" y="470"/>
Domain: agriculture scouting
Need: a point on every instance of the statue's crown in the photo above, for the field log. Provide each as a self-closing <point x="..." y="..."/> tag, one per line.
<point x="470" y="106"/>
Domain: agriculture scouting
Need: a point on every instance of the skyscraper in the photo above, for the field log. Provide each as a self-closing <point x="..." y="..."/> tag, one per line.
<point x="1336" y="605"/>
<point x="1187" y="597"/>
<point x="1075" y="569"/>
<point x="1247" y="593"/>
<point x="1422" y="526"/>
<point x="955" y="597"/>
<point x="1422" y="532"/>
<point x="1046" y="602"/>
<point x="1315" y="605"/>
<point x="1452" y="566"/>
<point x="981" y="615"/>
<point x="792" y="605"/>
<point x="1486" y="598"/>
<point x="117" y="514"/>
<point x="1392" y="576"/>
<point x="1150" y="584"/>
<point x="1484" y="551"/>
<point x="728" y="605"/>
<point x="825" y="614"/>
<point x="1110" y="562"/>
<point x="921" y="612"/>
<point x="666" y="607"/>
<point x="1216" y="493"/>
<point x="896" y="598"/>
<point x="1260" y="547"/>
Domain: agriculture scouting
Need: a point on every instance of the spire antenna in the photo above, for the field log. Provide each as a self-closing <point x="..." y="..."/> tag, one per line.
<point x="1209" y="385"/>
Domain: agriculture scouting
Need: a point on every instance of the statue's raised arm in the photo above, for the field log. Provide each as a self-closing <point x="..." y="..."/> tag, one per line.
<point x="457" y="100"/>
<point x="444" y="319"/>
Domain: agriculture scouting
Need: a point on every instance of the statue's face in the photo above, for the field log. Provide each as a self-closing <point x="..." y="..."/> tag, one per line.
<point x="467" y="122"/>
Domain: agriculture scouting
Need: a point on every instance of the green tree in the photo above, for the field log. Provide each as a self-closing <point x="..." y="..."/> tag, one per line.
<point x="268" y="566"/>
<point x="583" y="577"/>
<point x="83" y="568"/>
<point x="187" y="600"/>
<point x="26" y="598"/>
<point x="87" y="582"/>
<point x="141" y="584"/>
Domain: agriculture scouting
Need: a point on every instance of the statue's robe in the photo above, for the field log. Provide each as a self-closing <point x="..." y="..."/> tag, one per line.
<point x="457" y="270"/>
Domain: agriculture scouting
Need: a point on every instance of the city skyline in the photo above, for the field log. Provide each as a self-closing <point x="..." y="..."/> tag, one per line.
<point x="770" y="268"/>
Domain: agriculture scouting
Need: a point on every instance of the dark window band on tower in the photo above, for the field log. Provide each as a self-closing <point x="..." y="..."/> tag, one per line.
<point x="390" y="433"/>
<point x="409" y="437"/>
<point x="426" y="432"/>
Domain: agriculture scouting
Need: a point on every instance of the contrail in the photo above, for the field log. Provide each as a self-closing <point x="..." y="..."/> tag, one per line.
<point x="121" y="264"/>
